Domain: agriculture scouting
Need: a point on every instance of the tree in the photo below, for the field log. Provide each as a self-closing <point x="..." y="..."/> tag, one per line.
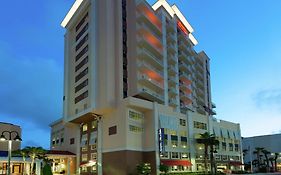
<point x="164" y="168"/>
<point x="275" y="160"/>
<point x="258" y="151"/>
<point x="271" y="159"/>
<point x="144" y="169"/>
<point x="23" y="153"/>
<point x="265" y="152"/>
<point x="208" y="140"/>
<point x="47" y="170"/>
<point x="34" y="153"/>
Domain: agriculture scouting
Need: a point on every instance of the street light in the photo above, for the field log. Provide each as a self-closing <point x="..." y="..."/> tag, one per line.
<point x="16" y="138"/>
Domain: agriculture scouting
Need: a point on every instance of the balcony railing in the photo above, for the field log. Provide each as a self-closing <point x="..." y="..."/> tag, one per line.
<point x="172" y="70"/>
<point x="143" y="26"/>
<point x="153" y="83"/>
<point x="150" y="94"/>
<point x="172" y="91"/>
<point x="153" y="59"/>
<point x="144" y="43"/>
<point x="173" y="102"/>
<point x="148" y="66"/>
<point x="184" y="67"/>
<point x="172" y="81"/>
<point x="172" y="58"/>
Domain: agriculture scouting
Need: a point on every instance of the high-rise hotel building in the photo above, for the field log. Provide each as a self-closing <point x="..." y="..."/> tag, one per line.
<point x="135" y="90"/>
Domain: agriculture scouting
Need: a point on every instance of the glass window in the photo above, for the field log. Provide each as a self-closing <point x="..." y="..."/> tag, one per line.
<point x="84" y="127"/>
<point x="94" y="124"/>
<point x="135" y="115"/>
<point x="112" y="130"/>
<point x="84" y="140"/>
<point x="93" y="138"/>
<point x="84" y="157"/>
<point x="175" y="155"/>
<point x="93" y="156"/>
<point x="182" y="122"/>
<point x="135" y="128"/>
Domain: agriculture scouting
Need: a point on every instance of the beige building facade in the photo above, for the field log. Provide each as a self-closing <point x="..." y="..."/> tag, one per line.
<point x="135" y="90"/>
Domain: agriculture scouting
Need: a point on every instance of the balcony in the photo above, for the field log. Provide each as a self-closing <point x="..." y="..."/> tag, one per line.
<point x="172" y="58"/>
<point x="185" y="88"/>
<point x="185" y="68"/>
<point x="187" y="98"/>
<point x="141" y="27"/>
<point x="170" y="27"/>
<point x="172" y="92"/>
<point x="184" y="58"/>
<point x="172" y="81"/>
<point x="171" y="39"/>
<point x="147" y="15"/>
<point x="200" y="84"/>
<point x="172" y="48"/>
<point x="185" y="77"/>
<point x="147" y="67"/>
<point x="151" y="43"/>
<point x="200" y="92"/>
<point x="213" y="105"/>
<point x="186" y="107"/>
<point x="199" y="67"/>
<point x="151" y="95"/>
<point x="173" y="102"/>
<point x="146" y="55"/>
<point x="172" y="70"/>
<point x="150" y="83"/>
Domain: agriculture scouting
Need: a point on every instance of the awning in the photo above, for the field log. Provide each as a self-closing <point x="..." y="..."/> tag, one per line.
<point x="87" y="164"/>
<point x="235" y="163"/>
<point x="176" y="162"/>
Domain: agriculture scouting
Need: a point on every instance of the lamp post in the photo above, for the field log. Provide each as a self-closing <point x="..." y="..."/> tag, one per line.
<point x="16" y="138"/>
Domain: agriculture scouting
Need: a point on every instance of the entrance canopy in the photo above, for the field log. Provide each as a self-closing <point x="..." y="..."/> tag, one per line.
<point x="176" y="162"/>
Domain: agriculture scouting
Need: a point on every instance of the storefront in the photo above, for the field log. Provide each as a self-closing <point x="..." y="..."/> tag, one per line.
<point x="18" y="166"/>
<point x="63" y="162"/>
<point x="177" y="165"/>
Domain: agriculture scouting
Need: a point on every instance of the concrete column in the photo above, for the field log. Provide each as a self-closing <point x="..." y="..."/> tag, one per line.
<point x="68" y="166"/>
<point x="99" y="148"/>
<point x="156" y="127"/>
<point x="53" y="167"/>
<point x="27" y="168"/>
<point x="38" y="168"/>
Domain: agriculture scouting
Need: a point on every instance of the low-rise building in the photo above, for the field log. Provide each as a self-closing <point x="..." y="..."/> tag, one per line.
<point x="271" y="143"/>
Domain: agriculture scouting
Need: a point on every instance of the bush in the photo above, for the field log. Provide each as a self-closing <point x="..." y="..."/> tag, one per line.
<point x="47" y="170"/>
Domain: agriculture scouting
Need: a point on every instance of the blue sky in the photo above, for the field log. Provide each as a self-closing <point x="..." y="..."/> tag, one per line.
<point x="242" y="38"/>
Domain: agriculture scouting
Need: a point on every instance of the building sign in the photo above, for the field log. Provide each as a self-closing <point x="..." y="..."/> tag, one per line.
<point x="161" y="140"/>
<point x="182" y="28"/>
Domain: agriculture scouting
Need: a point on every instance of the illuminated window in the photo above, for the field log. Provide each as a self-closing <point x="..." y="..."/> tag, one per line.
<point x="135" y="128"/>
<point x="84" y="127"/>
<point x="83" y="149"/>
<point x="84" y="157"/>
<point x="182" y="122"/>
<point x="93" y="156"/>
<point x="174" y="155"/>
<point x="95" y="124"/>
<point x="135" y="115"/>
<point x="200" y="125"/>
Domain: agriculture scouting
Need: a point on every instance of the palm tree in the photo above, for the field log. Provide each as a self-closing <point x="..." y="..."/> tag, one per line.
<point x="265" y="152"/>
<point x="275" y="160"/>
<point x="23" y="153"/>
<point x="34" y="153"/>
<point x="258" y="151"/>
<point x="271" y="159"/>
<point x="208" y="140"/>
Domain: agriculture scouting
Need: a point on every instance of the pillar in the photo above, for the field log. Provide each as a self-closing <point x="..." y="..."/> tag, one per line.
<point x="38" y="168"/>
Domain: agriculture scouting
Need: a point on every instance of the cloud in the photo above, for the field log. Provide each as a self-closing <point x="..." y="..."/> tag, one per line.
<point x="31" y="89"/>
<point x="268" y="99"/>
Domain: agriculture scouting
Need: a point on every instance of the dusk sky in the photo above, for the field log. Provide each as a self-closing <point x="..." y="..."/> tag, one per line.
<point x="242" y="38"/>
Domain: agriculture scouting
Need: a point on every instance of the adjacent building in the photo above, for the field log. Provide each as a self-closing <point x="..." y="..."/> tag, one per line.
<point x="135" y="90"/>
<point x="271" y="143"/>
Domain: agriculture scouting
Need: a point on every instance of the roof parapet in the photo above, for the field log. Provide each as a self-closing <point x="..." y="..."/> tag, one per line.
<point x="71" y="12"/>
